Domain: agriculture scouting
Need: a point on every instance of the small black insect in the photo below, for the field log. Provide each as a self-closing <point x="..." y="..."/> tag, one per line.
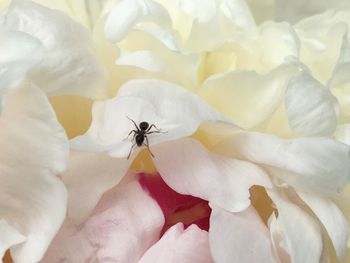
<point x="140" y="135"/>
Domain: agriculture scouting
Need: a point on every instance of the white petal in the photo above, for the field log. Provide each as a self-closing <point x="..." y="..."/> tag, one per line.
<point x="33" y="148"/>
<point x="9" y="237"/>
<point x="302" y="233"/>
<point x="69" y="65"/>
<point x="313" y="164"/>
<point x="19" y="53"/>
<point x="341" y="69"/>
<point x="278" y="240"/>
<point x="312" y="109"/>
<point x="178" y="113"/>
<point x="142" y="59"/>
<point x="180" y="245"/>
<point x="239" y="237"/>
<point x="127" y="13"/>
<point x="126" y="222"/>
<point x="342" y="133"/>
<point x="292" y="11"/>
<point x="88" y="176"/>
<point x="201" y="10"/>
<point x="188" y="168"/>
<point x="332" y="219"/>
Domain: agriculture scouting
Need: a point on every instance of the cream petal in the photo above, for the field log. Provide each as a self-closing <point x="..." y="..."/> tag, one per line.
<point x="32" y="200"/>
<point x="87" y="177"/>
<point x="332" y="218"/>
<point x="302" y="233"/>
<point x="278" y="240"/>
<point x="127" y="13"/>
<point x="316" y="164"/>
<point x="188" y="168"/>
<point x="260" y="95"/>
<point x="19" y="53"/>
<point x="9" y="237"/>
<point x="239" y="237"/>
<point x="312" y="109"/>
<point x="180" y="245"/>
<point x="125" y="223"/>
<point x="177" y="114"/>
<point x="69" y="65"/>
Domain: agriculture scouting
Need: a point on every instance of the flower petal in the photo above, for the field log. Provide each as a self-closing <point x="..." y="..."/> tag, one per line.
<point x="69" y="65"/>
<point x="180" y="245"/>
<point x="127" y="13"/>
<point x="125" y="223"/>
<point x="312" y="109"/>
<point x="342" y="133"/>
<point x="19" y="53"/>
<point x="9" y="237"/>
<point x="88" y="176"/>
<point x="143" y="59"/>
<point x="31" y="198"/>
<point x="317" y="164"/>
<point x="239" y="237"/>
<point x="332" y="219"/>
<point x="177" y="114"/>
<point x="302" y="233"/>
<point x="260" y="95"/>
<point x="188" y="168"/>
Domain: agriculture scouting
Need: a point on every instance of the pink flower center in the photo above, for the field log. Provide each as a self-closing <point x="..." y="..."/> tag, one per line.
<point x="176" y="207"/>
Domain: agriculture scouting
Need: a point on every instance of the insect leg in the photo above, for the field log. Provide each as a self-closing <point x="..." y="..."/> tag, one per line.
<point x="130" y="151"/>
<point x="133" y="131"/>
<point x="137" y="127"/>
<point x="147" y="145"/>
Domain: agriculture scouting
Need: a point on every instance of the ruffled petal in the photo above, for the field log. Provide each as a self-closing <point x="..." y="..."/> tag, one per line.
<point x="125" y="223"/>
<point x="19" y="53"/>
<point x="127" y="13"/>
<point x="316" y="164"/>
<point x="69" y="65"/>
<point x="332" y="219"/>
<point x="342" y="133"/>
<point x="188" y="168"/>
<point x="239" y="237"/>
<point x="177" y="114"/>
<point x="34" y="147"/>
<point x="87" y="177"/>
<point x="302" y="233"/>
<point x="312" y="109"/>
<point x="180" y="245"/>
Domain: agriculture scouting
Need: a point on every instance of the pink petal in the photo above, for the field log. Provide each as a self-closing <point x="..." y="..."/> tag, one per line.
<point x="179" y="245"/>
<point x="239" y="237"/>
<point x="125" y="223"/>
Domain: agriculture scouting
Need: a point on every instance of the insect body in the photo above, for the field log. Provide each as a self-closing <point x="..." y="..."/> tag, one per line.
<point x="140" y="134"/>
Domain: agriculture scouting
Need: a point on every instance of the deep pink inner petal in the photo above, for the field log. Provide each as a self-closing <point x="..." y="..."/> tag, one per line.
<point x="176" y="207"/>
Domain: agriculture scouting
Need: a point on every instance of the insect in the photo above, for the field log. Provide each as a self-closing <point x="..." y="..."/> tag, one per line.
<point x="140" y="135"/>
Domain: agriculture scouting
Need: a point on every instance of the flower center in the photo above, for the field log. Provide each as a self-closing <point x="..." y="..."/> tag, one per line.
<point x="176" y="207"/>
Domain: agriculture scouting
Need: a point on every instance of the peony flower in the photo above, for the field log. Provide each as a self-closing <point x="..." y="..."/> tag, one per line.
<point x="244" y="116"/>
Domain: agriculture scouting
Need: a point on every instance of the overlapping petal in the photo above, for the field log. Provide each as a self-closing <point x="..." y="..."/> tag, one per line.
<point x="34" y="148"/>
<point x="317" y="164"/>
<point x="190" y="169"/>
<point x="178" y="113"/>
<point x="126" y="222"/>
<point x="180" y="245"/>
<point x="69" y="64"/>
